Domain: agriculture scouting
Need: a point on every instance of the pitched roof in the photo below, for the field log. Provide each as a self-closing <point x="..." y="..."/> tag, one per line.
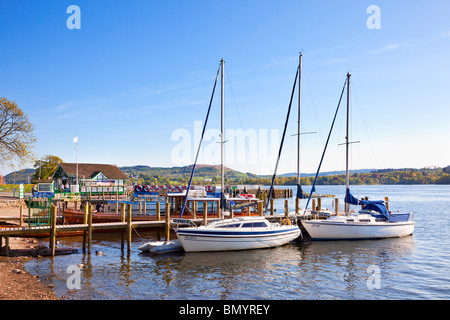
<point x="89" y="170"/>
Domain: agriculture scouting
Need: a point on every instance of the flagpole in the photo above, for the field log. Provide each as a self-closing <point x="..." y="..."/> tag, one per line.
<point x="76" y="177"/>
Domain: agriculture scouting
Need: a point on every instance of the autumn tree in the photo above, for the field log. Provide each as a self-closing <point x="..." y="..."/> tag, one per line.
<point x="16" y="134"/>
<point x="46" y="166"/>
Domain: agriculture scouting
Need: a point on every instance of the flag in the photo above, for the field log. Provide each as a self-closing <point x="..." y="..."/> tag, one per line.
<point x="75" y="139"/>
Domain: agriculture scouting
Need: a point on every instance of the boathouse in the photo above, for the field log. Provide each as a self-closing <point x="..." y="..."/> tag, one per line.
<point x="91" y="177"/>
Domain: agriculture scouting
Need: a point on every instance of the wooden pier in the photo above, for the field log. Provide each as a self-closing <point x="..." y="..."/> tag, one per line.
<point x="127" y="225"/>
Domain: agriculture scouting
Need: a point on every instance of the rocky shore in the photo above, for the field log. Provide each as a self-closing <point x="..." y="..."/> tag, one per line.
<point x="15" y="282"/>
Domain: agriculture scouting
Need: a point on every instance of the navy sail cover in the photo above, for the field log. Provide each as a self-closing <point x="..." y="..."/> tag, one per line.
<point x="377" y="206"/>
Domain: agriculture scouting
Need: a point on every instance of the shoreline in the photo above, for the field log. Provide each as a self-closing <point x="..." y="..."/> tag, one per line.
<point x="16" y="283"/>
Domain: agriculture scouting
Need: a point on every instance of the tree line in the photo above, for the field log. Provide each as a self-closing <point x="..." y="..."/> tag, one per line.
<point x="180" y="176"/>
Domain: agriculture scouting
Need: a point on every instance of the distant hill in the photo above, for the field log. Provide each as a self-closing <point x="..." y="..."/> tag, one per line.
<point x="21" y="176"/>
<point x="210" y="174"/>
<point x="328" y="173"/>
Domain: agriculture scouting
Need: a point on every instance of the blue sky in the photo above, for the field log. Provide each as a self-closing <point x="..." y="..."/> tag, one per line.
<point x="137" y="71"/>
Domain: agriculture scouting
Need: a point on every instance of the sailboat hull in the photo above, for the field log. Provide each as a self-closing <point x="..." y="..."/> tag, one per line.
<point x="328" y="230"/>
<point x="195" y="240"/>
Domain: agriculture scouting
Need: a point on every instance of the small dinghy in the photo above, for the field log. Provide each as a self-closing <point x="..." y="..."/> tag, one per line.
<point x="159" y="247"/>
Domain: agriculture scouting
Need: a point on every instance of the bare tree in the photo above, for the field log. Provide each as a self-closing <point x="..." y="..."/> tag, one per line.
<point x="16" y="135"/>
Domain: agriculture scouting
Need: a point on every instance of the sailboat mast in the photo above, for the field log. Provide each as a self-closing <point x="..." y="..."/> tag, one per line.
<point x="299" y="107"/>
<point x="222" y="194"/>
<point x="347" y="176"/>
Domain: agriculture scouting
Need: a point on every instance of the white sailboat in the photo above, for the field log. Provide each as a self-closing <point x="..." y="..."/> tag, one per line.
<point x="374" y="221"/>
<point x="242" y="233"/>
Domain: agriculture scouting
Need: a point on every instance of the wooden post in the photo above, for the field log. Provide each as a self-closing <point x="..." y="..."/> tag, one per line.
<point x="297" y="205"/>
<point x="219" y="210"/>
<point x="158" y="217"/>
<point x="286" y="207"/>
<point x="52" y="229"/>
<point x="129" y="229"/>
<point x="167" y="225"/>
<point x="336" y="206"/>
<point x="145" y="207"/>
<point x="122" y="219"/>
<point x="386" y="201"/>
<point x="6" y="245"/>
<point x="194" y="209"/>
<point x="319" y="204"/>
<point x="272" y="209"/>
<point x="260" y="208"/>
<point x="205" y="212"/>
<point x="21" y="215"/>
<point x="140" y="206"/>
<point x="314" y="204"/>
<point x="117" y="207"/>
<point x="85" y="220"/>
<point x="89" y="232"/>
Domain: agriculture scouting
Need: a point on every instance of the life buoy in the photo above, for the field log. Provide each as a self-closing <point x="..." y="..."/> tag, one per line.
<point x="147" y="188"/>
<point x="138" y="188"/>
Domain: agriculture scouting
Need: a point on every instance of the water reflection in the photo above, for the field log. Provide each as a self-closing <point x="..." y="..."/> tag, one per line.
<point x="410" y="267"/>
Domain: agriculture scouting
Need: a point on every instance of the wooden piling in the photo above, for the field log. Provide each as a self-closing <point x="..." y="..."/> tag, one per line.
<point x="52" y="244"/>
<point x="286" y="207"/>
<point x="158" y="217"/>
<point x="194" y="209"/>
<point x="205" y="212"/>
<point x="272" y="208"/>
<point x="260" y="208"/>
<point x="336" y="206"/>
<point x="129" y="229"/>
<point x="386" y="202"/>
<point x="314" y="204"/>
<point x="21" y="215"/>
<point x="319" y="204"/>
<point x="89" y="232"/>
<point x="122" y="219"/>
<point x="167" y="225"/>
<point x="85" y="220"/>
<point x="297" y="205"/>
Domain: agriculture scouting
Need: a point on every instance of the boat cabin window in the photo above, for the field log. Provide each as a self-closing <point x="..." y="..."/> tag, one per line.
<point x="364" y="220"/>
<point x="234" y="225"/>
<point x="254" y="225"/>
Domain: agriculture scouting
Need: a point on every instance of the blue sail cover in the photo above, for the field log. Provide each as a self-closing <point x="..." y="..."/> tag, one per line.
<point x="377" y="206"/>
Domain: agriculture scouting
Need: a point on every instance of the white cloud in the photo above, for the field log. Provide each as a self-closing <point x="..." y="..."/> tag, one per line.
<point x="386" y="48"/>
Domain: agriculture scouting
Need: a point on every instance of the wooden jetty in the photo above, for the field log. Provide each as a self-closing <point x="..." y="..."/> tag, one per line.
<point x="127" y="225"/>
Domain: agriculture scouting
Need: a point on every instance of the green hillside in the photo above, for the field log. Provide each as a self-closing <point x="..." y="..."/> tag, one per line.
<point x="207" y="174"/>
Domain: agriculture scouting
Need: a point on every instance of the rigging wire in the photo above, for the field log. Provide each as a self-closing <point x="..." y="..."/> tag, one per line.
<point x="199" y="145"/>
<point x="366" y="127"/>
<point x="282" y="138"/>
<point x="239" y="115"/>
<point x="326" y="144"/>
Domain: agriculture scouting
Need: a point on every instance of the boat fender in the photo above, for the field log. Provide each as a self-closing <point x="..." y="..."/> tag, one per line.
<point x="286" y="221"/>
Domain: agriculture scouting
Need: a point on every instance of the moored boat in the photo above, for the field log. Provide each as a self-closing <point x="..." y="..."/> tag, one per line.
<point x="374" y="221"/>
<point x="241" y="233"/>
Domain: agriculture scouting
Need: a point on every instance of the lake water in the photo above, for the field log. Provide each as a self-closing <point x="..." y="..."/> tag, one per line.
<point x="414" y="267"/>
